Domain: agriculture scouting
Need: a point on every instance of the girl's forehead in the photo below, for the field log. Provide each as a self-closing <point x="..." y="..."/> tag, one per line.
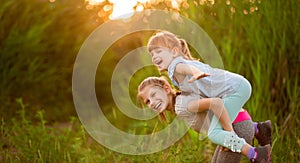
<point x="157" y="48"/>
<point x="145" y="93"/>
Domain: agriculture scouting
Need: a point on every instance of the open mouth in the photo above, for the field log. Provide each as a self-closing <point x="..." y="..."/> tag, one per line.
<point x="157" y="61"/>
<point x="157" y="106"/>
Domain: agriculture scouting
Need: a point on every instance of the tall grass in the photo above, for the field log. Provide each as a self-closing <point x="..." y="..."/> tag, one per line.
<point x="261" y="45"/>
<point x="28" y="140"/>
<point x="40" y="40"/>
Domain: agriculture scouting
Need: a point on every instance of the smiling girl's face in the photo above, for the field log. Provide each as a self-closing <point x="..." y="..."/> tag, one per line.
<point x="156" y="98"/>
<point x="162" y="57"/>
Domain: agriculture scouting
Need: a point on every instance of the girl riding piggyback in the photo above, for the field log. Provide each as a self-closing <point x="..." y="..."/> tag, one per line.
<point x="170" y="53"/>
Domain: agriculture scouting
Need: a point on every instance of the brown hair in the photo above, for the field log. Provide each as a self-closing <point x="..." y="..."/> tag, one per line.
<point x="154" y="81"/>
<point x="169" y="40"/>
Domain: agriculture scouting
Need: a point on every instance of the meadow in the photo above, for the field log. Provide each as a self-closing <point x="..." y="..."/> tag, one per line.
<point x="39" y="42"/>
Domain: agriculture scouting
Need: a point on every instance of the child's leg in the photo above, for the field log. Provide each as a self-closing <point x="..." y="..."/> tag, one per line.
<point x="221" y="113"/>
<point x="226" y="156"/>
<point x="227" y="139"/>
<point x="216" y="106"/>
<point x="263" y="132"/>
<point x="243" y="129"/>
<point x="216" y="154"/>
<point x="237" y="144"/>
<point x="233" y="103"/>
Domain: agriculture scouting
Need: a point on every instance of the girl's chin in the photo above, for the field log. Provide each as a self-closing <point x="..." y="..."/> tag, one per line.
<point x="161" y="110"/>
<point x="161" y="68"/>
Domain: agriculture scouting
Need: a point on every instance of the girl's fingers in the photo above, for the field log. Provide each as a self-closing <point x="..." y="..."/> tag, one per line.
<point x="202" y="76"/>
<point x="205" y="75"/>
<point x="193" y="78"/>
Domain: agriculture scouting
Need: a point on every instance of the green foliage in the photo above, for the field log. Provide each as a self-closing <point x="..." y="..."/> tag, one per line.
<point x="28" y="140"/>
<point x="38" y="45"/>
<point x="39" y="42"/>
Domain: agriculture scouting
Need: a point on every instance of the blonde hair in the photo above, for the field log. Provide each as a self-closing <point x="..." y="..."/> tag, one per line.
<point x="169" y="40"/>
<point x="154" y="81"/>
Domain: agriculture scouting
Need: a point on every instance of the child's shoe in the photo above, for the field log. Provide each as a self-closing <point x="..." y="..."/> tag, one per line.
<point x="264" y="135"/>
<point x="263" y="154"/>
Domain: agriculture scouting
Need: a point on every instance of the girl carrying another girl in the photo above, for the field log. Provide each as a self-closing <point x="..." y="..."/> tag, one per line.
<point x="218" y="88"/>
<point x="159" y="96"/>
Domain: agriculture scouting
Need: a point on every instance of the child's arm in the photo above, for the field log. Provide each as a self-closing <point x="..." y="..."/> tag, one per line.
<point x="217" y="107"/>
<point x="185" y="69"/>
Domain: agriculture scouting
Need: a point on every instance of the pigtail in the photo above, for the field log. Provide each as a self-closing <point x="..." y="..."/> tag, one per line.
<point x="169" y="40"/>
<point x="185" y="49"/>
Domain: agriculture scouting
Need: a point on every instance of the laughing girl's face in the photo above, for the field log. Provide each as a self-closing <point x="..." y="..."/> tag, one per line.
<point x="156" y="98"/>
<point x="162" y="58"/>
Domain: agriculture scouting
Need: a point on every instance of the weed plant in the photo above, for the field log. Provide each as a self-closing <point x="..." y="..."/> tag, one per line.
<point x="39" y="41"/>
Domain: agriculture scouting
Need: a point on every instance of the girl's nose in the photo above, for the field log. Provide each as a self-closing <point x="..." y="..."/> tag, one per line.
<point x="153" y="58"/>
<point x="151" y="103"/>
<point x="152" y="107"/>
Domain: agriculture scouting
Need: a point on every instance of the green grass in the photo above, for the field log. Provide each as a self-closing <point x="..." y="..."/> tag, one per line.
<point x="25" y="140"/>
<point x="39" y="42"/>
<point x="32" y="140"/>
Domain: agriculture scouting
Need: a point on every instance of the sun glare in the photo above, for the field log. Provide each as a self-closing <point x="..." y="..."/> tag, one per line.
<point x="123" y="9"/>
<point x="94" y="2"/>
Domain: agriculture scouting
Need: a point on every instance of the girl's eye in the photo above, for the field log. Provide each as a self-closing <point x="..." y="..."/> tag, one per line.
<point x="152" y="94"/>
<point x="156" y="51"/>
<point x="147" y="102"/>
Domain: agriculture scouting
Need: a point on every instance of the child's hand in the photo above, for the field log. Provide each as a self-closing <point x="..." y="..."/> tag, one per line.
<point x="224" y="149"/>
<point x="198" y="76"/>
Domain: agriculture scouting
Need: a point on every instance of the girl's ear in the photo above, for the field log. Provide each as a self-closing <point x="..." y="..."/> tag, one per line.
<point x="168" y="88"/>
<point x="175" y="51"/>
